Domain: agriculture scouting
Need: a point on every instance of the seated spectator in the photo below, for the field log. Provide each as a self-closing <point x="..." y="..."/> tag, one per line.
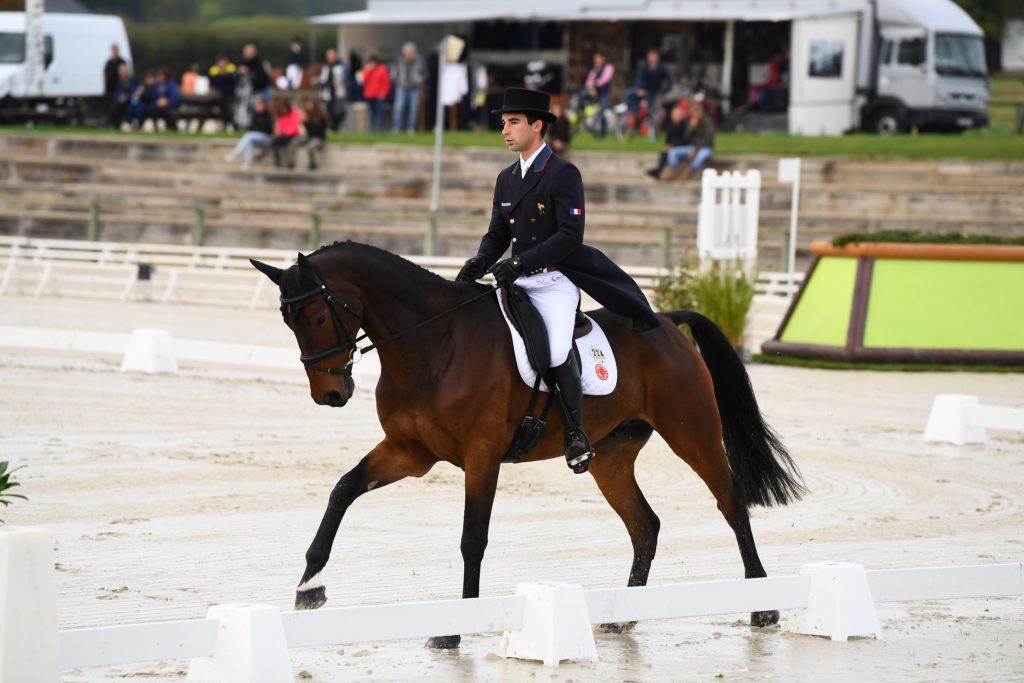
<point x="165" y="100"/>
<point x="124" y="89"/>
<point x="259" y="136"/>
<point x="141" y="100"/>
<point x="224" y="80"/>
<point x="559" y="133"/>
<point x="598" y="88"/>
<point x="675" y="136"/>
<point x="287" y="132"/>
<point x="188" y="80"/>
<point x="698" y="144"/>
<point x="315" y="122"/>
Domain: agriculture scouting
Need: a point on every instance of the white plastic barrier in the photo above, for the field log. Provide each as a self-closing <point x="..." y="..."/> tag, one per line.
<point x="727" y="221"/>
<point x="961" y="419"/>
<point x="28" y="606"/>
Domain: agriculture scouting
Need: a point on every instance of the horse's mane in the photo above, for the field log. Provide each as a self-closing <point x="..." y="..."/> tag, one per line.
<point x="368" y="252"/>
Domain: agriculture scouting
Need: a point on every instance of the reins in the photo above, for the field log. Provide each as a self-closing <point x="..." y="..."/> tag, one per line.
<point x="352" y="345"/>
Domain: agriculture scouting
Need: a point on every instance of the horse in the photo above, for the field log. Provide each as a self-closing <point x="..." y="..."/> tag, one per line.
<point x="697" y="397"/>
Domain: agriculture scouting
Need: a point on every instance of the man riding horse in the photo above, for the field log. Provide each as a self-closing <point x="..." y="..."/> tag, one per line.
<point x="539" y="209"/>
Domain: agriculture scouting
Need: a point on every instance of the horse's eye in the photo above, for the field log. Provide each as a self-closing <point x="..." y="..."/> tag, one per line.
<point x="321" y="320"/>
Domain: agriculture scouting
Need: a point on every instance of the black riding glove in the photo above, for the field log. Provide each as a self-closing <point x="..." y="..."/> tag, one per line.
<point x="474" y="269"/>
<point x="506" y="272"/>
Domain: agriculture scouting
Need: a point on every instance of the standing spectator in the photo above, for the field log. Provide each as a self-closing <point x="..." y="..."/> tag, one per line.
<point x="376" y="85"/>
<point x="287" y="132"/>
<point x="123" y="91"/>
<point x="296" y="64"/>
<point x="315" y="122"/>
<point x="675" y="136"/>
<point x="652" y="80"/>
<point x="559" y="132"/>
<point x="259" y="136"/>
<point x="598" y="88"/>
<point x="410" y="74"/>
<point x="224" y="80"/>
<point x="254" y="67"/>
<point x="333" y="81"/>
<point x="698" y="145"/>
<point x="110" y="77"/>
<point x="165" y="100"/>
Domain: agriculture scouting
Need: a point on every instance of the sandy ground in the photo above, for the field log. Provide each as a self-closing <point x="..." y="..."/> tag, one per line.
<point x="169" y="494"/>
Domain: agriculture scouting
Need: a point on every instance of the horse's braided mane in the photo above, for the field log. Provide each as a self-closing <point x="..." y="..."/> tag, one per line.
<point x="368" y="251"/>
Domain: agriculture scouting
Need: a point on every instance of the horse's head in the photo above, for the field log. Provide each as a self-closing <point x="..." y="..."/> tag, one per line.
<point x="325" y="323"/>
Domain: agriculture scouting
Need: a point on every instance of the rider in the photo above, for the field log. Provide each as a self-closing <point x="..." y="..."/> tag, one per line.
<point x="538" y="208"/>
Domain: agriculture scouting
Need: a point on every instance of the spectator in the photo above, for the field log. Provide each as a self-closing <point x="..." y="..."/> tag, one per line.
<point x="296" y="65"/>
<point x="315" y="122"/>
<point x="598" y="88"/>
<point x="189" y="79"/>
<point x="123" y="91"/>
<point x="652" y="80"/>
<point x="111" y="71"/>
<point x="410" y="74"/>
<point x="559" y="133"/>
<point x="164" y="100"/>
<point x="258" y="73"/>
<point x="675" y="136"/>
<point x="141" y="100"/>
<point x="698" y="145"/>
<point x="224" y="80"/>
<point x="376" y="85"/>
<point x="333" y="81"/>
<point x="287" y="132"/>
<point x="259" y="136"/>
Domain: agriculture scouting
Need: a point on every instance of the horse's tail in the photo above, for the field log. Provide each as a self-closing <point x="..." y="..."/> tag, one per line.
<point x="761" y="467"/>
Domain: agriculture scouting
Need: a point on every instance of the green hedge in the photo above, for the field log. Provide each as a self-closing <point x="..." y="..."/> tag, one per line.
<point x="916" y="237"/>
<point x="178" y="45"/>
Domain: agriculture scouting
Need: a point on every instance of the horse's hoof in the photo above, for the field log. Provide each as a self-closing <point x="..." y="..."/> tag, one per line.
<point x="761" y="619"/>
<point x="620" y="627"/>
<point x="444" y="642"/>
<point x="311" y="599"/>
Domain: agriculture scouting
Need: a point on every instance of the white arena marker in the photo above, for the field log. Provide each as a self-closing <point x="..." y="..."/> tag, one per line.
<point x="28" y="606"/>
<point x="556" y="625"/>
<point x="839" y="604"/>
<point x="149" y="351"/>
<point x="251" y="647"/>
<point x="948" y="420"/>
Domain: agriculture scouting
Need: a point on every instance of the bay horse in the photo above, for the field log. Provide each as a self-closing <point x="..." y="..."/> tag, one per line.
<point x="443" y="347"/>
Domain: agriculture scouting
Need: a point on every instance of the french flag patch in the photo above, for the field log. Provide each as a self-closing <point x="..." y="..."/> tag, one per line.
<point x="575" y="212"/>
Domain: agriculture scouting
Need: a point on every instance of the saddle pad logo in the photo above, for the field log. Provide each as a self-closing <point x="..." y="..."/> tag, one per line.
<point x="601" y="372"/>
<point x="596" y="353"/>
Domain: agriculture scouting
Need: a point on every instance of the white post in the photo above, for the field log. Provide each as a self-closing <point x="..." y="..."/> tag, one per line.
<point x="435" y="188"/>
<point x="556" y="625"/>
<point x="251" y="647"/>
<point x="149" y="351"/>
<point x="28" y="606"/>
<point x="789" y="172"/>
<point x="839" y="604"/>
<point x="730" y="48"/>
<point x="35" y="63"/>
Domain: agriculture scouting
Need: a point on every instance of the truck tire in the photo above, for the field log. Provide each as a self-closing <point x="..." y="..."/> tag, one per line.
<point x="887" y="121"/>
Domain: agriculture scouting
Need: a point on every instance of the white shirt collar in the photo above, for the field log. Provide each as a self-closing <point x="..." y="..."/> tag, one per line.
<point x="524" y="164"/>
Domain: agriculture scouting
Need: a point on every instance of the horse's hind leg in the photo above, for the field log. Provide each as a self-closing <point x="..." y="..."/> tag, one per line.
<point x="613" y="472"/>
<point x="385" y="464"/>
<point x="697" y="439"/>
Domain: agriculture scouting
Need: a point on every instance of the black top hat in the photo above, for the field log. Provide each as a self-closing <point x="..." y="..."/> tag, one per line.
<point x="523" y="101"/>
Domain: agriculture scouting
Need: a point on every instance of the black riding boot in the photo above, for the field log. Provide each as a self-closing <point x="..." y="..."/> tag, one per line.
<point x="578" y="452"/>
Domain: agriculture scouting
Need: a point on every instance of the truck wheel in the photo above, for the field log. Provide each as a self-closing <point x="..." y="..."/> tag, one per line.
<point x="886" y="122"/>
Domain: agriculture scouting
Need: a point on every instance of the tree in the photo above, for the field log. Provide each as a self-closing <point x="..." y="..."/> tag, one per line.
<point x="991" y="15"/>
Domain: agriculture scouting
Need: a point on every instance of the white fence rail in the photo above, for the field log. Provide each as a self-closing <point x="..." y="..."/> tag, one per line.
<point x="202" y="275"/>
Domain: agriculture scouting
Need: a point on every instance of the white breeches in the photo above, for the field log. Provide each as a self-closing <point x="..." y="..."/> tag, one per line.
<point x="555" y="297"/>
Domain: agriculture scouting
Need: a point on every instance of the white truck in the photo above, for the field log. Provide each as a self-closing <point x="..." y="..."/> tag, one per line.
<point x="76" y="46"/>
<point x="886" y="66"/>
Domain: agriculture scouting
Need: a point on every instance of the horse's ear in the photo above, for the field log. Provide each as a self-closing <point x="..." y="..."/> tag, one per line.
<point x="305" y="267"/>
<point x="275" y="274"/>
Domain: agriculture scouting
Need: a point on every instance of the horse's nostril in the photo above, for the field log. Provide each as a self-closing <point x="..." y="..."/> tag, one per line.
<point x="333" y="399"/>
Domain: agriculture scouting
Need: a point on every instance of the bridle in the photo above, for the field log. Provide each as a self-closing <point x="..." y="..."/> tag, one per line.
<point x="350" y="345"/>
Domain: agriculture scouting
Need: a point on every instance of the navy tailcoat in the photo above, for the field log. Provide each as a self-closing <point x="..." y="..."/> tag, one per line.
<point x="542" y="217"/>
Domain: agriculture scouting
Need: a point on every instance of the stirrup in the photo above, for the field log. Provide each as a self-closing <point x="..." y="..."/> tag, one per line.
<point x="579" y="463"/>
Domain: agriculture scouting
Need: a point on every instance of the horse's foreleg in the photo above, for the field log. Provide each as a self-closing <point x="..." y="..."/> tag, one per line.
<point x="385" y="464"/>
<point x="480" y="488"/>
<point x="613" y="472"/>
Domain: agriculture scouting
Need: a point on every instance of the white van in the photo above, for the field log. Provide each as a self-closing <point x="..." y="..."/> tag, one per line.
<point x="76" y="48"/>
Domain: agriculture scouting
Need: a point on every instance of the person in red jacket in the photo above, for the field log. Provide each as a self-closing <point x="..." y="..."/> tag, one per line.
<point x="376" y="82"/>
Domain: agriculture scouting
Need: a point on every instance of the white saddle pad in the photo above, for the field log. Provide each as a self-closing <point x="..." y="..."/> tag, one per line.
<point x="599" y="373"/>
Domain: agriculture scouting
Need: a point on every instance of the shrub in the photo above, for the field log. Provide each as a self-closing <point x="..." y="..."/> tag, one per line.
<point x="917" y="237"/>
<point x="724" y="294"/>
<point x="6" y="484"/>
